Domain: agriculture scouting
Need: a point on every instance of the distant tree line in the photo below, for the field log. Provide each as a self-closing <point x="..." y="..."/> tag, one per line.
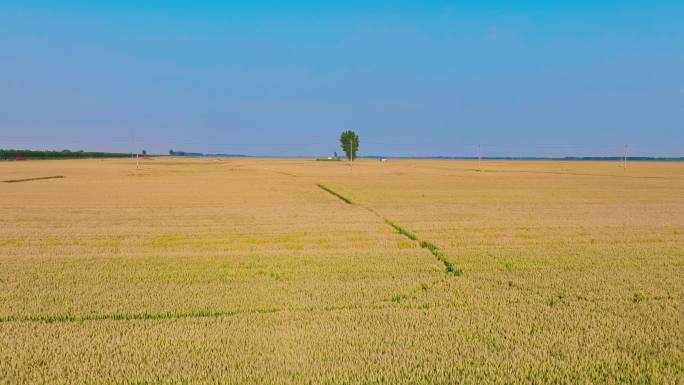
<point x="184" y="153"/>
<point x="199" y="154"/>
<point x="12" y="154"/>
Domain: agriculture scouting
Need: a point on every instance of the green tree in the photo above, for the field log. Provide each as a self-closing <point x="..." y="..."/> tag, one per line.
<point x="349" y="142"/>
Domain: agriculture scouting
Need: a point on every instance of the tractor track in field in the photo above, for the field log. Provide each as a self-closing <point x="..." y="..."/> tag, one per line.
<point x="131" y="316"/>
<point x="387" y="303"/>
<point x="429" y="246"/>
<point x="145" y="316"/>
<point x="32" y="179"/>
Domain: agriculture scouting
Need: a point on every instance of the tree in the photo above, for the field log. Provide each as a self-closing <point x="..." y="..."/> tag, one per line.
<point x="171" y="152"/>
<point x="350" y="144"/>
<point x="144" y="152"/>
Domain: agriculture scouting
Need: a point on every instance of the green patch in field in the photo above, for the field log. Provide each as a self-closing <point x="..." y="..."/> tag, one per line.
<point x="638" y="297"/>
<point x="274" y="275"/>
<point x="165" y="241"/>
<point x="404" y="244"/>
<point x="399" y="297"/>
<point x="9" y="243"/>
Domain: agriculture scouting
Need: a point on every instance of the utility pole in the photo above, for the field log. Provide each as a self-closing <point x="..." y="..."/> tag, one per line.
<point x="135" y="148"/>
<point x="351" y="154"/>
<point x="624" y="158"/>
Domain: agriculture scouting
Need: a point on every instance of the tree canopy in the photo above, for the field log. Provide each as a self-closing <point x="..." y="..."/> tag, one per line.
<point x="349" y="142"/>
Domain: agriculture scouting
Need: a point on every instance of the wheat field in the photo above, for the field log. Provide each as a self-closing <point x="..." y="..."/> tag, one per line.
<point x="293" y="271"/>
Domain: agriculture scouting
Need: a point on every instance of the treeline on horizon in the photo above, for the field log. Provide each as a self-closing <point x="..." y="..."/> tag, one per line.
<point x="12" y="154"/>
<point x="200" y="154"/>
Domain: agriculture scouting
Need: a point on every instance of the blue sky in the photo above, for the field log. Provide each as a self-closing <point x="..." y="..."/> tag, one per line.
<point x="412" y="78"/>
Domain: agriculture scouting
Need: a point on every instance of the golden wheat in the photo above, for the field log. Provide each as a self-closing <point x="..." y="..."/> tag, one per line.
<point x="246" y="271"/>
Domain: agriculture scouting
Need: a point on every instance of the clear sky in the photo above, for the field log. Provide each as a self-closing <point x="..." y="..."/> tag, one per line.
<point x="285" y="78"/>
